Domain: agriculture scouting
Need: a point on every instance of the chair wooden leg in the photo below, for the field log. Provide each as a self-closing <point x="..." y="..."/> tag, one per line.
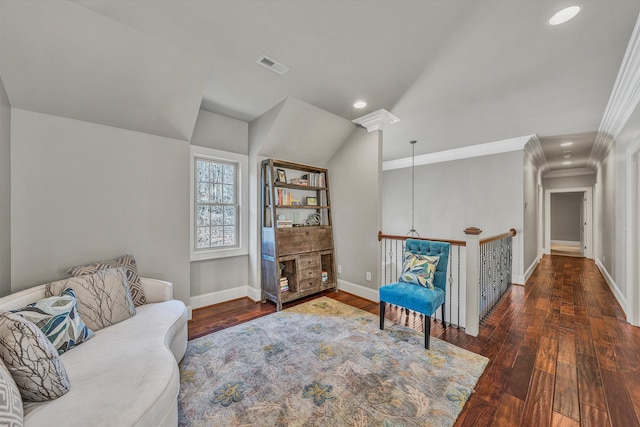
<point x="427" y="332"/>
<point x="382" y="307"/>
<point x="444" y="323"/>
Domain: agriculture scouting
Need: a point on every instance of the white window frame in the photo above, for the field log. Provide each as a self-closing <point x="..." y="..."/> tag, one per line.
<point x="242" y="194"/>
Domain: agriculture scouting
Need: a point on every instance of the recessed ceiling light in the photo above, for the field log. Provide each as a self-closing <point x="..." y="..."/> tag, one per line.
<point x="566" y="163"/>
<point x="566" y="144"/>
<point x="564" y="15"/>
<point x="359" y="104"/>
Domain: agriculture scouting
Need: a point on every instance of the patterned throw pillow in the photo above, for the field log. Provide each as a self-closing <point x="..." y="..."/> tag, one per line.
<point x="58" y="319"/>
<point x="11" y="413"/>
<point x="419" y="269"/>
<point x="31" y="359"/>
<point x="103" y="297"/>
<point x="128" y="262"/>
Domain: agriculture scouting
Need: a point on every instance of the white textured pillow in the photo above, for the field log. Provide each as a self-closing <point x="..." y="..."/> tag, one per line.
<point x="103" y="297"/>
<point x="11" y="413"/>
<point x="31" y="359"/>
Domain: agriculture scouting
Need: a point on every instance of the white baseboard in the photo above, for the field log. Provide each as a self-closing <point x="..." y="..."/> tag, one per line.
<point x="522" y="280"/>
<point x="189" y="313"/>
<point x="254" y="294"/>
<point x="565" y="242"/>
<point x="359" y="290"/>
<point x="622" y="299"/>
<point x="218" y="297"/>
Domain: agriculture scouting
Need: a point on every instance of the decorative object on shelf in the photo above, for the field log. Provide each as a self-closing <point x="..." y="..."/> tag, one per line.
<point x="313" y="219"/>
<point x="413" y="231"/>
<point x="311" y="201"/>
<point x="282" y="176"/>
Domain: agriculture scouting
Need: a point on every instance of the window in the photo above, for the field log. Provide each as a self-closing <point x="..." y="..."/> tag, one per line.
<point x="218" y="207"/>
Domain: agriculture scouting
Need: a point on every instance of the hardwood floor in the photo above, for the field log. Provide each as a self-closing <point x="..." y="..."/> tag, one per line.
<point x="561" y="353"/>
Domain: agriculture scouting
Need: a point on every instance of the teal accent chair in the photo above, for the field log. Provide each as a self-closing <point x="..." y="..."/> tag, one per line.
<point x="415" y="297"/>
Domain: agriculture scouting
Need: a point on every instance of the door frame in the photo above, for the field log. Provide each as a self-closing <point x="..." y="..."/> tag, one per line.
<point x="588" y="228"/>
<point x="632" y="232"/>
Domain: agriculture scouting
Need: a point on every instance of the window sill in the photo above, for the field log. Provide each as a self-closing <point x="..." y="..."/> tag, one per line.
<point x="218" y="254"/>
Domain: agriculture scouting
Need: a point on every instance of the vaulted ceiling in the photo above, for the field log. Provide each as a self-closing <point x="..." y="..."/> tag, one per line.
<point x="455" y="72"/>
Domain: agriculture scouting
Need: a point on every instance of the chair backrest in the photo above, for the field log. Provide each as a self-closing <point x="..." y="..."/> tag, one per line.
<point x="427" y="247"/>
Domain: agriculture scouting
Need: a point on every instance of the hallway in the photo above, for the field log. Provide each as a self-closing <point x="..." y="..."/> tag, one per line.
<point x="561" y="354"/>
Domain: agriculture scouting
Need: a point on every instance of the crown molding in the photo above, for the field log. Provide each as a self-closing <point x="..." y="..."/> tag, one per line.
<point x="534" y="149"/>
<point x="377" y="120"/>
<point x="623" y="100"/>
<point x="489" y="148"/>
<point x="561" y="173"/>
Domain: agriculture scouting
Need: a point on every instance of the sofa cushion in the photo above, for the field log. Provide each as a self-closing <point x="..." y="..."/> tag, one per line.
<point x="128" y="262"/>
<point x="103" y="297"/>
<point x="58" y="318"/>
<point x="32" y="360"/>
<point x="10" y="400"/>
<point x="125" y="376"/>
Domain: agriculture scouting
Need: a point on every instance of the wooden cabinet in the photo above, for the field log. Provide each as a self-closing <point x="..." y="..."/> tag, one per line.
<point x="297" y="236"/>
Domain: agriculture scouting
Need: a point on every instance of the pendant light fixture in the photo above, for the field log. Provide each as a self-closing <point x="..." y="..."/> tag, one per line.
<point x="413" y="231"/>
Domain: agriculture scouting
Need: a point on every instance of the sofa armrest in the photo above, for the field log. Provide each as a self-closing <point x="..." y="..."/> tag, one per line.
<point x="156" y="290"/>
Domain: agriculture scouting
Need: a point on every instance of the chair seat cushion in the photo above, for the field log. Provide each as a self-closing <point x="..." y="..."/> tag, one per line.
<point x="413" y="297"/>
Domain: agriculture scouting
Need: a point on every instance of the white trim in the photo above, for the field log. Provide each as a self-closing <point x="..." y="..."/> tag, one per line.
<point x="377" y="120"/>
<point x="633" y="293"/>
<point x="189" y="312"/>
<point x="243" y="188"/>
<point x="217" y="297"/>
<point x="588" y="229"/>
<point x="561" y="173"/>
<point x="479" y="150"/>
<point x="612" y="284"/>
<point x="359" y="290"/>
<point x="534" y="149"/>
<point x="623" y="100"/>
<point x="529" y="272"/>
<point x="254" y="294"/>
<point x="566" y="242"/>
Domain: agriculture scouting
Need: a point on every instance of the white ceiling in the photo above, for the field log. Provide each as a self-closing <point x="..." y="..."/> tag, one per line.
<point x="456" y="72"/>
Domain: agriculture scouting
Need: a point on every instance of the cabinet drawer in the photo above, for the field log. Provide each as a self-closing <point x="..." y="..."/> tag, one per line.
<point x="303" y="239"/>
<point x="312" y="283"/>
<point x="311" y="261"/>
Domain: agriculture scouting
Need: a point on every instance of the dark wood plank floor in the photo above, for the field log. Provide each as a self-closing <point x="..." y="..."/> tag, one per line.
<point x="561" y="353"/>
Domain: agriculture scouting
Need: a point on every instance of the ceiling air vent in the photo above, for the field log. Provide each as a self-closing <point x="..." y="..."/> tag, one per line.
<point x="272" y="64"/>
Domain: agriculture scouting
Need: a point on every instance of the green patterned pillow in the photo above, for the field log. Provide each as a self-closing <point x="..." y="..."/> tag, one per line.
<point x="31" y="359"/>
<point x="58" y="318"/>
<point x="419" y="269"/>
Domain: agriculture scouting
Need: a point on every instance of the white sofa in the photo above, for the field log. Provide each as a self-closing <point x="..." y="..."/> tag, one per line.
<point x="127" y="375"/>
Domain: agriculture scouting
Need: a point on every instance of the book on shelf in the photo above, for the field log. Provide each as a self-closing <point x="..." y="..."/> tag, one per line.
<point x="284" y="284"/>
<point x="314" y="179"/>
<point x="284" y="223"/>
<point x="299" y="181"/>
<point x="284" y="197"/>
<point x="325" y="276"/>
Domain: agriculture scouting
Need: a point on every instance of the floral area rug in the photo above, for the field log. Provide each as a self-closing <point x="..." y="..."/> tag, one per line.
<point x="323" y="363"/>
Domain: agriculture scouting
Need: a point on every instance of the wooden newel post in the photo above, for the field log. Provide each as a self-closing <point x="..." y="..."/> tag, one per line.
<point x="473" y="281"/>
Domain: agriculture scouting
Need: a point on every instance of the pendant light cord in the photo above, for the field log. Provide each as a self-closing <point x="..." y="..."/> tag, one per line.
<point x="413" y="231"/>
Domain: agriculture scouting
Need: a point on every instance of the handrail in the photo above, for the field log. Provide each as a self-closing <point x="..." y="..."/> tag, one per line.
<point x="396" y="237"/>
<point x="512" y="232"/>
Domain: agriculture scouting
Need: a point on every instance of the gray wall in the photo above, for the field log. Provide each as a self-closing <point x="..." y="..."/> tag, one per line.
<point x="530" y="226"/>
<point x="569" y="181"/>
<point x="226" y="134"/>
<point x="355" y="175"/>
<point x="84" y="192"/>
<point x="565" y="216"/>
<point x="612" y="187"/>
<point x="5" y="193"/>
<point x="485" y="192"/>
